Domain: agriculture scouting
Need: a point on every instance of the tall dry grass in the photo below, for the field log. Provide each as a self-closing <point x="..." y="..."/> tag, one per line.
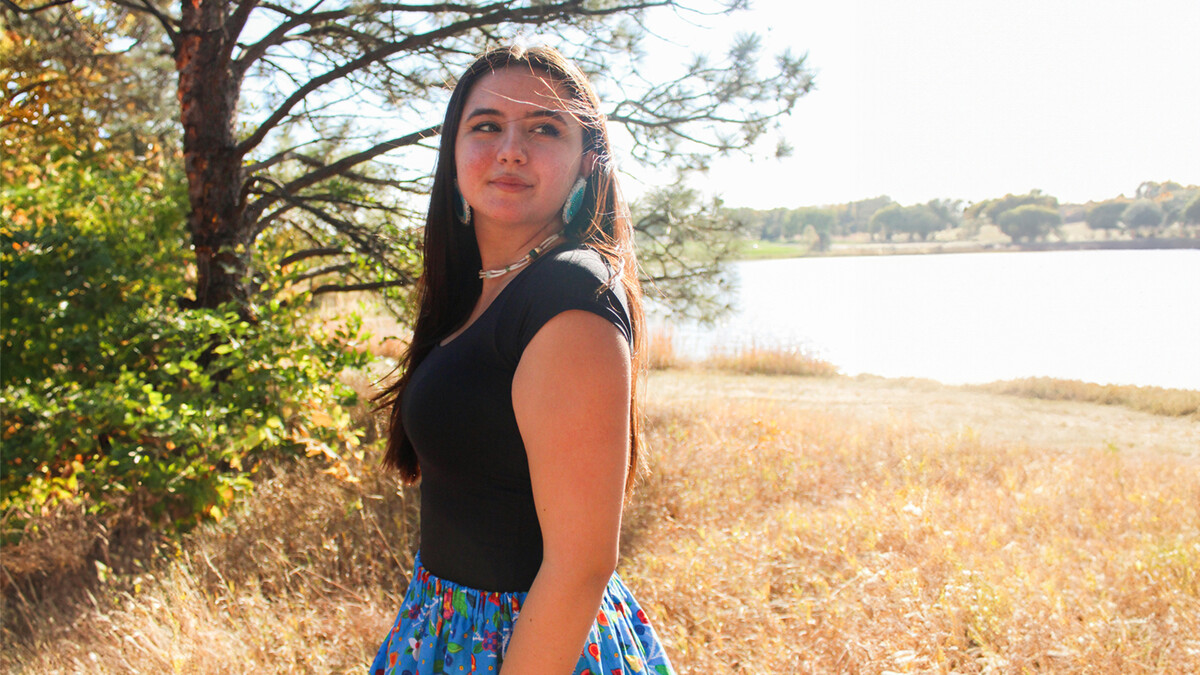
<point x="302" y="579"/>
<point x="384" y="335"/>
<point x="766" y="539"/>
<point x="751" y="359"/>
<point x="778" y="542"/>
<point x="1155" y="400"/>
<point x="660" y="350"/>
<point x="756" y="359"/>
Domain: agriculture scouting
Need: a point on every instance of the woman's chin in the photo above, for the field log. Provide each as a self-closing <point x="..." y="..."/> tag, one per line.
<point x="516" y="220"/>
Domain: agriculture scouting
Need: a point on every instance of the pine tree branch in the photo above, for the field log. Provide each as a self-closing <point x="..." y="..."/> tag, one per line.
<point x="346" y="288"/>
<point x="278" y="36"/>
<point x="234" y="26"/>
<point x="322" y="271"/>
<point x="496" y="13"/>
<point x="364" y="241"/>
<point x="34" y="10"/>
<point x="310" y="253"/>
<point x="318" y="164"/>
<point x="169" y="25"/>
<point x="342" y="165"/>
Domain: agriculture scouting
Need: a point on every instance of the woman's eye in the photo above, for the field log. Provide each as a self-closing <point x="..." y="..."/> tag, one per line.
<point x="486" y="126"/>
<point x="546" y="130"/>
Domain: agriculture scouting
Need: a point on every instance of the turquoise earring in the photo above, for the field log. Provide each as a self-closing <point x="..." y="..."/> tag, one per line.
<point x="574" y="200"/>
<point x="462" y="210"/>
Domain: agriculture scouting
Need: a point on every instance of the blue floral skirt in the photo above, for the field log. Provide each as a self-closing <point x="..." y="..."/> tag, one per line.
<point x="444" y="627"/>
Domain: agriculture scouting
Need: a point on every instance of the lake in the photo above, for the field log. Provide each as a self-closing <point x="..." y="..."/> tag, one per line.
<point x="1120" y="317"/>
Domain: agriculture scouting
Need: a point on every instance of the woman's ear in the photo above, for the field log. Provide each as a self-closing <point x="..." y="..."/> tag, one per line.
<point x="588" y="163"/>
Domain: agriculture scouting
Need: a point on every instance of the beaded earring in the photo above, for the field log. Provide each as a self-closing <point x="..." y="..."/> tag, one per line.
<point x="462" y="210"/>
<point x="574" y="200"/>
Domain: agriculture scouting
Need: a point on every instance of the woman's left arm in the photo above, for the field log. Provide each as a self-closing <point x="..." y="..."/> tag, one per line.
<point x="571" y="398"/>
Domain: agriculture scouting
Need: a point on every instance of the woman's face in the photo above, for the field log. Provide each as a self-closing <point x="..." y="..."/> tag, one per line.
<point x="518" y="151"/>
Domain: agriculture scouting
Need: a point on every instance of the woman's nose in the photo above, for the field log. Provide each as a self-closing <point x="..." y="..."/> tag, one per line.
<point x="512" y="147"/>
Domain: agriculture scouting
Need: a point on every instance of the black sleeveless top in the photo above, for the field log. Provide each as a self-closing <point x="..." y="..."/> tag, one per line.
<point x="479" y="526"/>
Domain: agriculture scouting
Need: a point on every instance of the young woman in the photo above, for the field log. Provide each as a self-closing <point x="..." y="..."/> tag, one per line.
<point x="517" y="403"/>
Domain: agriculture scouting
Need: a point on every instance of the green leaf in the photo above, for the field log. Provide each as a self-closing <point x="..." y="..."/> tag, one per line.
<point x="460" y="603"/>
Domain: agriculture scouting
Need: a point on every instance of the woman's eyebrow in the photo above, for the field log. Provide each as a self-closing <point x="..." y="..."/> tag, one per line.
<point x="551" y="114"/>
<point x="492" y="112"/>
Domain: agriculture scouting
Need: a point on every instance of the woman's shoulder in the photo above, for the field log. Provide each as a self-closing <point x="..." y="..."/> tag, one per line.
<point x="564" y="279"/>
<point x="573" y="261"/>
<point x="572" y="268"/>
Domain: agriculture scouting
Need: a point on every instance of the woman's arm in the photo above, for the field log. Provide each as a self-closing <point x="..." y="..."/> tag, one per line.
<point x="571" y="399"/>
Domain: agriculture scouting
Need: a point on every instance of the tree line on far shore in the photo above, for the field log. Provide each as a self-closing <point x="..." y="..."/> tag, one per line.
<point x="1153" y="211"/>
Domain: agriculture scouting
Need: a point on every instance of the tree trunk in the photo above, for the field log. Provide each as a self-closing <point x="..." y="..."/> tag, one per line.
<point x="208" y="94"/>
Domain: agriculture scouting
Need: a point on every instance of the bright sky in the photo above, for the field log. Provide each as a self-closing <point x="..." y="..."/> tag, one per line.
<point x="928" y="99"/>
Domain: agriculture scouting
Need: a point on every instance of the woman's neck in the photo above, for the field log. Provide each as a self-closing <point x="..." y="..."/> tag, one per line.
<point x="501" y="247"/>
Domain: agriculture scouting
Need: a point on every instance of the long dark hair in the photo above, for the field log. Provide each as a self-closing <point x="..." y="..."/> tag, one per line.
<point x="449" y="283"/>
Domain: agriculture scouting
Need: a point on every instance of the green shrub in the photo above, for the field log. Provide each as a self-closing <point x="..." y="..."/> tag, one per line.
<point x="1029" y="221"/>
<point x="1142" y="213"/>
<point x="114" y="396"/>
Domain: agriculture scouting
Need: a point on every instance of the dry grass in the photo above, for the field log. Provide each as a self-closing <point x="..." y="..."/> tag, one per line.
<point x="1156" y="400"/>
<point x="767" y="539"/>
<point x="385" y="337"/>
<point x="787" y="543"/>
<point x="301" y="580"/>
<point x="758" y="360"/>
<point x="660" y="350"/>
<point x="752" y="359"/>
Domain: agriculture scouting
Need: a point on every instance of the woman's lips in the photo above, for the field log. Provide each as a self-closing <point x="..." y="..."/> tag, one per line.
<point x="509" y="184"/>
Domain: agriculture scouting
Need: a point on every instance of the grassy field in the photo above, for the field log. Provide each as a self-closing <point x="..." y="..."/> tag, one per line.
<point x="864" y="540"/>
<point x="787" y="524"/>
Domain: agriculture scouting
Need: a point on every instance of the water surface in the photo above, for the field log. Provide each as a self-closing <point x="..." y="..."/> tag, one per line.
<point x="1122" y="317"/>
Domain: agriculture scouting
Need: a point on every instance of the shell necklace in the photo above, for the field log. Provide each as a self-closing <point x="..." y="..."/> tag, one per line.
<point x="534" y="253"/>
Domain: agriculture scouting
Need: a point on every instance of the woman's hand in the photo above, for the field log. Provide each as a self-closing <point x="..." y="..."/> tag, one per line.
<point x="571" y="396"/>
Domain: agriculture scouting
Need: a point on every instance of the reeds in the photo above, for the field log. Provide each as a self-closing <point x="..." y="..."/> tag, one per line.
<point x="660" y="350"/>
<point x="749" y="359"/>
<point x="1155" y="400"/>
<point x="754" y="359"/>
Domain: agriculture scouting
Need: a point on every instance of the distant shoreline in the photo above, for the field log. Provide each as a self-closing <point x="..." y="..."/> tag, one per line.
<point x="838" y="249"/>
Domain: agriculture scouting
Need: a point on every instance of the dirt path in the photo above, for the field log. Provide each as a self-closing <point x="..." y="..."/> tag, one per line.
<point x="949" y="409"/>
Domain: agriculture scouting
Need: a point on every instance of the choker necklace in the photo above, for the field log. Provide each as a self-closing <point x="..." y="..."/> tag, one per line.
<point x="534" y="254"/>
